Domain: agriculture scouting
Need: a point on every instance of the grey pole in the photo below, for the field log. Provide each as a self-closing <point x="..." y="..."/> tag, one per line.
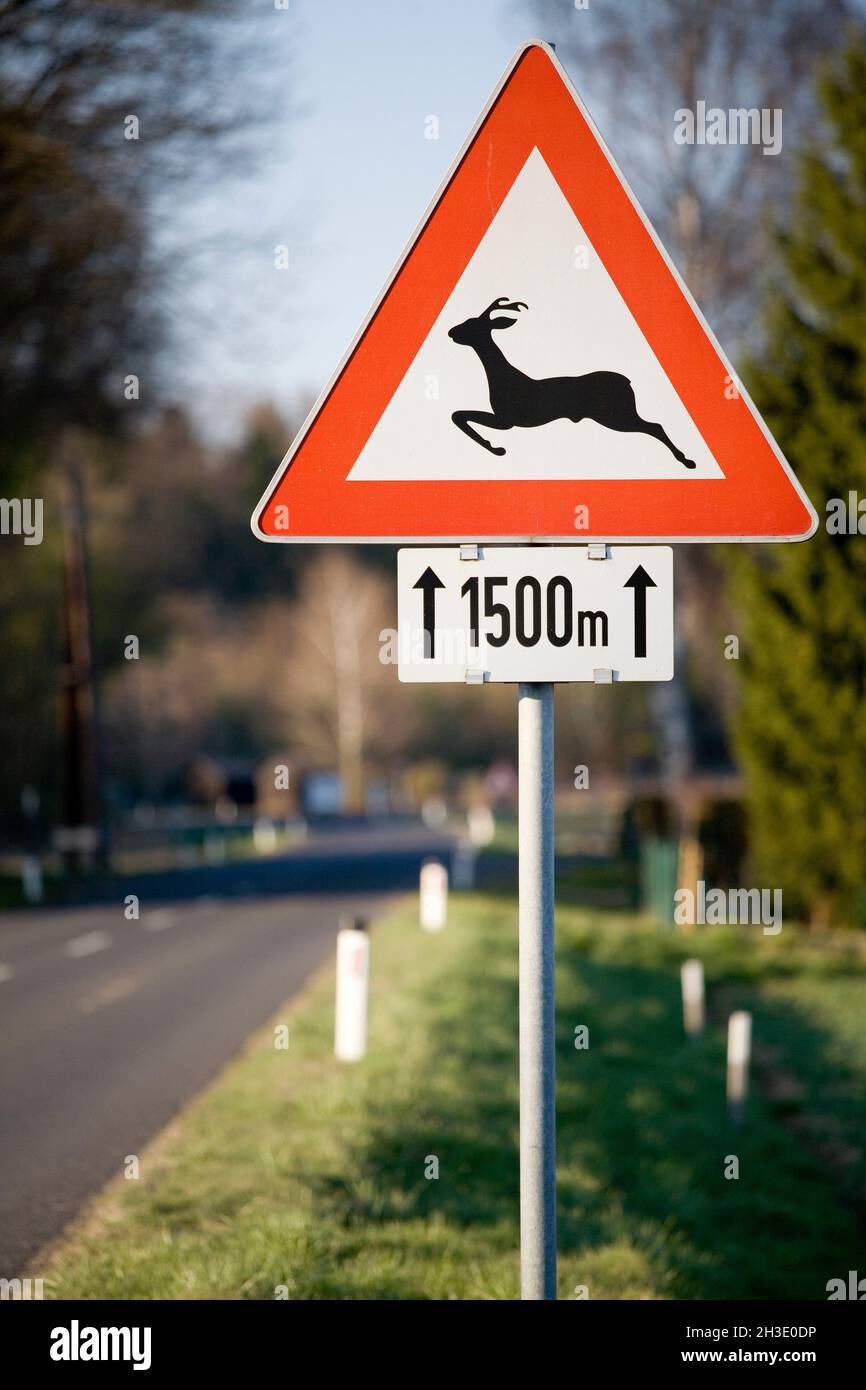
<point x="537" y="1061"/>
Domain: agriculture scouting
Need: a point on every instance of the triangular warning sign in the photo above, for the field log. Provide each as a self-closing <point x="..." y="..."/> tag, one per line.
<point x="535" y="369"/>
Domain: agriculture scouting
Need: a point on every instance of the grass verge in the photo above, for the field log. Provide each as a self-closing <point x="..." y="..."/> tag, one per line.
<point x="296" y="1173"/>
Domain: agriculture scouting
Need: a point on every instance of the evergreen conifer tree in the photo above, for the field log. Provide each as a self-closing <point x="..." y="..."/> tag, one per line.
<point x="801" y="727"/>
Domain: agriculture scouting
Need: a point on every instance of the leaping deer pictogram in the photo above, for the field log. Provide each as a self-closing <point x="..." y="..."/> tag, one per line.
<point x="517" y="400"/>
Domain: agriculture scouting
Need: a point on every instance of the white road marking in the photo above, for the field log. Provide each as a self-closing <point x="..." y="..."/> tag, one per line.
<point x="110" y="993"/>
<point x="88" y="945"/>
<point x="159" y="920"/>
<point x="6" y="973"/>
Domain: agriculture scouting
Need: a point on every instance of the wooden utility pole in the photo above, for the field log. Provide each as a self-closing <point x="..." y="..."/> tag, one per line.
<point x="83" y="830"/>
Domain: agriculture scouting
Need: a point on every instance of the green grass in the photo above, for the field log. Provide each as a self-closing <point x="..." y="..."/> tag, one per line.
<point x="295" y="1171"/>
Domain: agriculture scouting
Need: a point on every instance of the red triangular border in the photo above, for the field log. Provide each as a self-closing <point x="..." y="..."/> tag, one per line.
<point x="759" y="497"/>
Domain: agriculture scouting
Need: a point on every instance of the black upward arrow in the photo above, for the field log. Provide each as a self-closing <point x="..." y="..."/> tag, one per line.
<point x="640" y="582"/>
<point x="428" y="584"/>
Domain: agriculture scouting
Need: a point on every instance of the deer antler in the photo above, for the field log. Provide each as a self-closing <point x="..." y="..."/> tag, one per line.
<point x="502" y="303"/>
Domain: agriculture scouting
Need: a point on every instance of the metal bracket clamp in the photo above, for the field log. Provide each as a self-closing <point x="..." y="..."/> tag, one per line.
<point x="603" y="675"/>
<point x="474" y="675"/>
<point x="598" y="551"/>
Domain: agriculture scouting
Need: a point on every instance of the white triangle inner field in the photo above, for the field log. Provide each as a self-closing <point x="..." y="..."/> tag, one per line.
<point x="535" y="251"/>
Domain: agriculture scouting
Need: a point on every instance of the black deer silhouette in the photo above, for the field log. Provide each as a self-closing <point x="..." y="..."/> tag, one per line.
<point x="520" y="400"/>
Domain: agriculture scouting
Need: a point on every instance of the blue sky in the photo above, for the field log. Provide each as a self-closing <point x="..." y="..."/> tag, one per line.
<point x="342" y="182"/>
<point x="343" y="172"/>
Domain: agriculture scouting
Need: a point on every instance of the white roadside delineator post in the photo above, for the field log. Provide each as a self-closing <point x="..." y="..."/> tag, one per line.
<point x="692" y="977"/>
<point x="353" y="989"/>
<point x="739" y="1053"/>
<point x="264" y="836"/>
<point x="481" y="824"/>
<point x="434" y="895"/>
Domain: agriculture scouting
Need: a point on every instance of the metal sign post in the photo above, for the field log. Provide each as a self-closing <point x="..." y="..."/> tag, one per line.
<point x="485" y="614"/>
<point x="537" y="1016"/>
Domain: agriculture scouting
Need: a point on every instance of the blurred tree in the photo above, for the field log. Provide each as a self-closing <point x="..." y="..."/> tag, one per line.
<point x="801" y="729"/>
<point x="171" y="515"/>
<point x="101" y="101"/>
<point x="209" y="689"/>
<point x="637" y="64"/>
<point x="249" y="570"/>
<point x="105" y="105"/>
<point x="345" y="708"/>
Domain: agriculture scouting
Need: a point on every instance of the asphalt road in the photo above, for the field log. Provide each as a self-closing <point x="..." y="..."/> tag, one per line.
<point x="109" y="1026"/>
